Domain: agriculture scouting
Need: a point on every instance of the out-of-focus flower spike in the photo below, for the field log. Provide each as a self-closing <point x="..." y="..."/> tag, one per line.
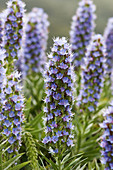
<point x="107" y="139"/>
<point x="93" y="75"/>
<point x="13" y="112"/>
<point x="1" y="29"/>
<point x="36" y="35"/>
<point x="59" y="98"/>
<point x="82" y="28"/>
<point x="14" y="100"/>
<point x="108" y="35"/>
<point x="2" y="87"/>
<point x="13" y="30"/>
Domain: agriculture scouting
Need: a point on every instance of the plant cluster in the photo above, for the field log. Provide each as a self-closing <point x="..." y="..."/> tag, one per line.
<point x="55" y="109"/>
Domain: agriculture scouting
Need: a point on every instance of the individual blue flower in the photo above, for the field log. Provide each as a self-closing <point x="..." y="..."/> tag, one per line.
<point x="7" y="123"/>
<point x="69" y="142"/>
<point x="11" y="140"/>
<point x="64" y="102"/>
<point x="6" y="132"/>
<point x="59" y="76"/>
<point x="107" y="139"/>
<point x="57" y="113"/>
<point x="58" y="109"/>
<point x="54" y="139"/>
<point x="15" y="131"/>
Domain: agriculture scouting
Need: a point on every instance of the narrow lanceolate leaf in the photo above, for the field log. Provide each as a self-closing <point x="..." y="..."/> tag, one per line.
<point x="50" y="162"/>
<point x="11" y="161"/>
<point x="27" y="108"/>
<point x="18" y="167"/>
<point x="59" y="98"/>
<point x="34" y="122"/>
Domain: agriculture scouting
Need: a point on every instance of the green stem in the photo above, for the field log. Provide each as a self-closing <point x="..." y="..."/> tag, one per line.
<point x="1" y="168"/>
<point x="78" y="81"/>
<point x="59" y="164"/>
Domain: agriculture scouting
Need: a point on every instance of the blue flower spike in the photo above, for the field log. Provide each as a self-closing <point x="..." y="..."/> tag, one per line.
<point x="82" y="29"/>
<point x="93" y="75"/>
<point x="59" y="98"/>
<point x="13" y="31"/>
<point x="12" y="112"/>
<point x="108" y="35"/>
<point x="2" y="87"/>
<point x="35" y="44"/>
<point x="107" y="139"/>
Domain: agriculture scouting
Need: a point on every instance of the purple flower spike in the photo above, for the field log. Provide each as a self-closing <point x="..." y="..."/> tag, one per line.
<point x="107" y="140"/>
<point x="92" y="79"/>
<point x="13" y="25"/>
<point x="35" y="43"/>
<point x="12" y="98"/>
<point x="3" y="81"/>
<point x="1" y="29"/>
<point x="108" y="35"/>
<point x="60" y="92"/>
<point x="82" y="30"/>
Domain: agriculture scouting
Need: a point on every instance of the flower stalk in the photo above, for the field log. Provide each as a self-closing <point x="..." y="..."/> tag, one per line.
<point x="59" y="99"/>
<point x="93" y="75"/>
<point x="35" y="42"/>
<point x="107" y="139"/>
<point x="14" y="100"/>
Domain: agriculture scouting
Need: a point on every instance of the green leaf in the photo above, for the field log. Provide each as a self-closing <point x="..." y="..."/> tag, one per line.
<point x="1" y="167"/>
<point x="81" y="168"/>
<point x="5" y="149"/>
<point x="73" y="162"/>
<point x="35" y="121"/>
<point x="18" y="167"/>
<point x="10" y="162"/>
<point x="83" y="160"/>
<point x="71" y="158"/>
<point x="97" y="166"/>
<point x="37" y="131"/>
<point x="42" y="164"/>
<point x="50" y="162"/>
<point x="65" y="159"/>
<point x="27" y="108"/>
<point x="3" y="144"/>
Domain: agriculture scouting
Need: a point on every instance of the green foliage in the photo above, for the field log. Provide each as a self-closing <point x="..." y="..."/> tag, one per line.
<point x="31" y="150"/>
<point x="67" y="163"/>
<point x="11" y="163"/>
<point x="85" y="154"/>
<point x="34" y="88"/>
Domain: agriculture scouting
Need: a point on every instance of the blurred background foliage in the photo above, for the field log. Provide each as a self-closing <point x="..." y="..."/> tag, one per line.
<point x="61" y="11"/>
